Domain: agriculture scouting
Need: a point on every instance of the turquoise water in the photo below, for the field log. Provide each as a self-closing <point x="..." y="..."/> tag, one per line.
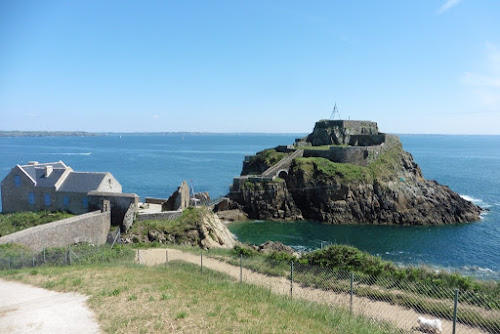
<point x="154" y="165"/>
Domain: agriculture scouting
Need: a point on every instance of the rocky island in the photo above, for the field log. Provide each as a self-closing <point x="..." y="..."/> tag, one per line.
<point x="345" y="172"/>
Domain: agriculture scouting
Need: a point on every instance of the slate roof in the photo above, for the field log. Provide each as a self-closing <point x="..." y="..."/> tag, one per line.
<point x="42" y="181"/>
<point x="31" y="169"/>
<point x="82" y="182"/>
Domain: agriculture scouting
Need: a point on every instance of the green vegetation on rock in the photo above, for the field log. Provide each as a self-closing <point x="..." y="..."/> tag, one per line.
<point x="352" y="259"/>
<point x="388" y="163"/>
<point x="262" y="161"/>
<point x="190" y="220"/>
<point x="14" y="222"/>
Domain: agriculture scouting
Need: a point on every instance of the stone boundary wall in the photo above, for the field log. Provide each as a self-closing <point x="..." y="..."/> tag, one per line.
<point x="167" y="215"/>
<point x="91" y="227"/>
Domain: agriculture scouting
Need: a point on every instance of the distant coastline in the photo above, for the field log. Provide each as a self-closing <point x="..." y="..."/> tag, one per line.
<point x="187" y="133"/>
<point x="49" y="134"/>
<point x="101" y="134"/>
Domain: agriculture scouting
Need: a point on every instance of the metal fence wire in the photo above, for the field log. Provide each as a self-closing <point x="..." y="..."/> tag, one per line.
<point x="399" y="302"/>
<point x="387" y="299"/>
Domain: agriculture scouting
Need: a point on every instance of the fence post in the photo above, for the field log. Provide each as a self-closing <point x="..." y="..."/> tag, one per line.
<point x="166" y="256"/>
<point x="43" y="255"/>
<point x="139" y="256"/>
<point x="10" y="260"/>
<point x="455" y="305"/>
<point x="291" y="278"/>
<point x="201" y="261"/>
<point x="241" y="268"/>
<point x="65" y="258"/>
<point x="352" y="291"/>
<point x="33" y="261"/>
<point x="69" y="255"/>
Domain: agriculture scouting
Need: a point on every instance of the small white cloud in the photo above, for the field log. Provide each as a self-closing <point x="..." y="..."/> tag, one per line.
<point x="489" y="99"/>
<point x="447" y="5"/>
<point x="473" y="79"/>
<point x="487" y="84"/>
<point x="156" y="116"/>
<point x="493" y="56"/>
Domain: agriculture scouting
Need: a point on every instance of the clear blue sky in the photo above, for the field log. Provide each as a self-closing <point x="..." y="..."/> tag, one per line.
<point x="415" y="66"/>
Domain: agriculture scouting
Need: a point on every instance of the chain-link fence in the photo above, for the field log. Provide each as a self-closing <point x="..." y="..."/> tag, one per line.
<point x="397" y="301"/>
<point x="62" y="256"/>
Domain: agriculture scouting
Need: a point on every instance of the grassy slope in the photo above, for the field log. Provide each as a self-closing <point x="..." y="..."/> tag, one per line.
<point x="13" y="222"/>
<point x="179" y="299"/>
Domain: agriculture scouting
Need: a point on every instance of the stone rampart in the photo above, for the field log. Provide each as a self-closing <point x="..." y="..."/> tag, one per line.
<point x="358" y="155"/>
<point x="352" y="127"/>
<point x="167" y="215"/>
<point x="91" y="227"/>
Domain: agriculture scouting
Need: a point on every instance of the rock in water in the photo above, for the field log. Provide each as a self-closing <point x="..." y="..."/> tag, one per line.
<point x="349" y="173"/>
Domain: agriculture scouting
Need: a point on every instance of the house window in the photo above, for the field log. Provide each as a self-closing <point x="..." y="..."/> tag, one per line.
<point x="85" y="203"/>
<point x="31" y="198"/>
<point x="17" y="180"/>
<point x="47" y="199"/>
<point x="66" y="200"/>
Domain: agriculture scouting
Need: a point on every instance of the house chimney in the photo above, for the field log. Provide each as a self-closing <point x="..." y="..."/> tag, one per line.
<point x="48" y="170"/>
<point x="32" y="163"/>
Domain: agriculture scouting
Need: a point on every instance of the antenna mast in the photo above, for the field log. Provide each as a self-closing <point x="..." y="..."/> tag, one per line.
<point x="335" y="111"/>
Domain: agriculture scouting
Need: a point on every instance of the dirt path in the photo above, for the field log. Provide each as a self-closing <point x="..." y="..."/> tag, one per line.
<point x="27" y="309"/>
<point x="401" y="317"/>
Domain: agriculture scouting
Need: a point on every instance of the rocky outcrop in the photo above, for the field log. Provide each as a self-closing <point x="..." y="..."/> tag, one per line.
<point x="200" y="227"/>
<point x="267" y="200"/>
<point x="232" y="215"/>
<point x="269" y="247"/>
<point x="403" y="197"/>
<point x="390" y="190"/>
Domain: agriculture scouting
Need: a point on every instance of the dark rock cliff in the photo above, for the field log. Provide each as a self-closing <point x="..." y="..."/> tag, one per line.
<point x="391" y="190"/>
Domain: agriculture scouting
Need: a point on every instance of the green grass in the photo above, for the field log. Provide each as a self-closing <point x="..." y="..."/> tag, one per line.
<point x="14" y="222"/>
<point x="418" y="288"/>
<point x="17" y="256"/>
<point x="179" y="298"/>
<point x="324" y="169"/>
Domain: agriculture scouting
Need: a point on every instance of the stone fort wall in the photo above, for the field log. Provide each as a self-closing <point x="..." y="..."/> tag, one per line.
<point x="91" y="227"/>
<point x="358" y="155"/>
<point x="353" y="127"/>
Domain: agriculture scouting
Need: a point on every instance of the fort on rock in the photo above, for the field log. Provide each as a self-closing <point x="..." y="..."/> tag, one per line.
<point x="345" y="172"/>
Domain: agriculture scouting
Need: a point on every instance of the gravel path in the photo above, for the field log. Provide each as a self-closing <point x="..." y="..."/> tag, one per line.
<point x="401" y="317"/>
<point x="27" y="309"/>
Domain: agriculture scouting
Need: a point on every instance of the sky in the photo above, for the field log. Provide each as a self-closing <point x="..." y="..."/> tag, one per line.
<point x="414" y="66"/>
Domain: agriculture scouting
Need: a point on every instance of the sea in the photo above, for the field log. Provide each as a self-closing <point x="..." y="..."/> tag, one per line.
<point x="154" y="165"/>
